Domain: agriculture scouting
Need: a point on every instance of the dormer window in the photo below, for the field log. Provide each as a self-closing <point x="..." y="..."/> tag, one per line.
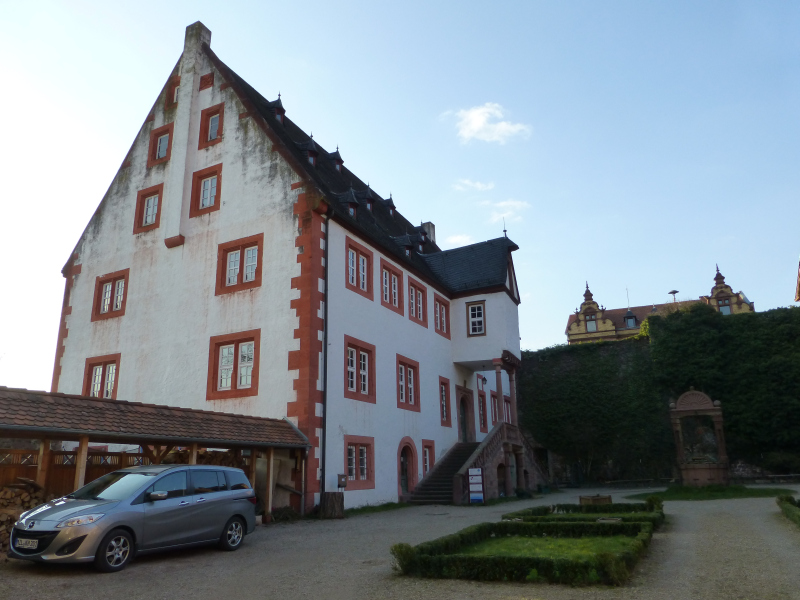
<point x="369" y="206"/>
<point x="724" y="305"/>
<point x="338" y="167"/>
<point x="279" y="117"/>
<point x="312" y="160"/>
<point x="630" y="321"/>
<point x="591" y="323"/>
<point x="421" y="245"/>
<point x="408" y="251"/>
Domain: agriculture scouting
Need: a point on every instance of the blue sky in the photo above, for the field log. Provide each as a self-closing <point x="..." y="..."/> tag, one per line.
<point x="630" y="144"/>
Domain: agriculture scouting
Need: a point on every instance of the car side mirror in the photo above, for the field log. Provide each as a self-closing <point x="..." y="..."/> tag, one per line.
<point x="153" y="496"/>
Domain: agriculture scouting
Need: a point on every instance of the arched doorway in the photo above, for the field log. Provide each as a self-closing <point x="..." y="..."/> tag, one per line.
<point x="406" y="467"/>
<point x="501" y="480"/>
<point x="465" y="410"/>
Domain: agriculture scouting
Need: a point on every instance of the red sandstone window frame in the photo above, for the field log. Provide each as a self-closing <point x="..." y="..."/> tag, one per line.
<point x="430" y="446"/>
<point x="99" y="283"/>
<point x="141" y="196"/>
<point x="197" y="178"/>
<point x="205" y="120"/>
<point x="223" y="250"/>
<point x="446" y="420"/>
<point x="441" y="326"/>
<point x="404" y="399"/>
<point x="214" y="345"/>
<point x="419" y="288"/>
<point x="391" y="270"/>
<point x="360" y="346"/>
<point x="154" y="135"/>
<point x="495" y="407"/>
<point x="170" y="101"/>
<point x="360" y="441"/>
<point x="101" y="361"/>
<point x="483" y="420"/>
<point x="361" y="251"/>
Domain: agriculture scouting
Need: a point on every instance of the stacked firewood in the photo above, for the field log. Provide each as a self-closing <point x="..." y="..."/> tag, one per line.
<point x="16" y="498"/>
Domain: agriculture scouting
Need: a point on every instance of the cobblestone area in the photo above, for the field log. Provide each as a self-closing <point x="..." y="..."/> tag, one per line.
<point x="725" y="549"/>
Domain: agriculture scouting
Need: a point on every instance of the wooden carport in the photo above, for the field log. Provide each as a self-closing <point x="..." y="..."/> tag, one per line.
<point x="156" y="428"/>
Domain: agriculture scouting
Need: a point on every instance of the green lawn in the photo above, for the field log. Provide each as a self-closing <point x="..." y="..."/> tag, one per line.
<point x="713" y="492"/>
<point x="549" y="547"/>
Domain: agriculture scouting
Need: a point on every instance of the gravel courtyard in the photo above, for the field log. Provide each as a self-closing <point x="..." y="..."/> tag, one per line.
<point x="724" y="549"/>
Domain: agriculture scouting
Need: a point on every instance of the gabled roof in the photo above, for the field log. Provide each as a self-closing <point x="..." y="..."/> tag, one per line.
<point x="31" y="412"/>
<point x="617" y="315"/>
<point x="470" y="269"/>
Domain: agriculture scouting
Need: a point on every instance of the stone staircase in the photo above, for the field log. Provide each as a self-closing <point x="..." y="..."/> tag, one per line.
<point x="437" y="486"/>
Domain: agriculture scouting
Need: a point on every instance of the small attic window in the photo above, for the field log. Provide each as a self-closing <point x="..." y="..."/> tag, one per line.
<point x="421" y="246"/>
<point x="408" y="251"/>
<point x="352" y="211"/>
<point x="339" y="168"/>
<point x="369" y="205"/>
<point x="312" y="160"/>
<point x="279" y="117"/>
<point x="630" y="321"/>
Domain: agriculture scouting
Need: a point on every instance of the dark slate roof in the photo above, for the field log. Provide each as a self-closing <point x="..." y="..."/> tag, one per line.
<point x="377" y="225"/>
<point x="32" y="413"/>
<point x="476" y="266"/>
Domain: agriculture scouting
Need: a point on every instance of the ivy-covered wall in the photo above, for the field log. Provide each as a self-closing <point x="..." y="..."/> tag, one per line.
<point x="605" y="406"/>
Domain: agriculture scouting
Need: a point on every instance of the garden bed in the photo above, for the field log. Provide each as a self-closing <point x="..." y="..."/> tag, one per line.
<point x="645" y="512"/>
<point x="577" y="553"/>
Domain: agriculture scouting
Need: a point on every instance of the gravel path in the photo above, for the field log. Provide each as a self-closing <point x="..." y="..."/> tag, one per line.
<point x="723" y="549"/>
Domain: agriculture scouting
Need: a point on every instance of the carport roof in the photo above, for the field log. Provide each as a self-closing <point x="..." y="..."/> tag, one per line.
<point x="62" y="416"/>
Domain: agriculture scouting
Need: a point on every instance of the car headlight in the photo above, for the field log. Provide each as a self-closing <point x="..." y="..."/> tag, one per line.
<point x="80" y="520"/>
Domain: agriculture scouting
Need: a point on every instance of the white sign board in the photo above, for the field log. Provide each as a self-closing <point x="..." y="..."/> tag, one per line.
<point x="475" y="486"/>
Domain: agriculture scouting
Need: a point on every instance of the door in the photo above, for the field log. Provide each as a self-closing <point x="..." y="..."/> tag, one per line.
<point x="404" y="470"/>
<point x="211" y="504"/>
<point x="462" y="419"/>
<point x="168" y="522"/>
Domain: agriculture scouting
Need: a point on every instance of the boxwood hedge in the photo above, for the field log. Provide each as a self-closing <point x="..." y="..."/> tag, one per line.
<point x="656" y="519"/>
<point x="441" y="558"/>
<point x="789" y="508"/>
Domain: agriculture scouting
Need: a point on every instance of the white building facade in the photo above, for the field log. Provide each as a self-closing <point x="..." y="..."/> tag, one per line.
<point x="234" y="265"/>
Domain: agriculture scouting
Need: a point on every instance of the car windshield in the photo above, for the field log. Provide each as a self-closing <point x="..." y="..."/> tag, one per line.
<point x="113" y="486"/>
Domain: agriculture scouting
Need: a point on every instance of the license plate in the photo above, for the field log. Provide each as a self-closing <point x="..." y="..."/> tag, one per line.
<point x="23" y="543"/>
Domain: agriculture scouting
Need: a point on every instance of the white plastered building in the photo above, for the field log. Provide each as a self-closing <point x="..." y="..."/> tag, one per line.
<point x="235" y="265"/>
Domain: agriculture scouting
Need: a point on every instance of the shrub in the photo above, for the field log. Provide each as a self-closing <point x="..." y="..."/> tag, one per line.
<point x="441" y="558"/>
<point x="656" y="519"/>
<point x="789" y="507"/>
<point x="654" y="503"/>
<point x="622" y="507"/>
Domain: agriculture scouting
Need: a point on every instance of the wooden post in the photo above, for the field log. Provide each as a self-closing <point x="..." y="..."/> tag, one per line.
<point x="253" y="460"/>
<point x="193" y="454"/>
<point x="80" y="461"/>
<point x="268" y="495"/>
<point x="44" y="463"/>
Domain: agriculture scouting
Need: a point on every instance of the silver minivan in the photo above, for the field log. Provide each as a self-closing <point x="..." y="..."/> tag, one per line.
<point x="136" y="511"/>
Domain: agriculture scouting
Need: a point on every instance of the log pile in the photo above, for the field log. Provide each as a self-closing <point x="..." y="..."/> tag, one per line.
<point x="16" y="498"/>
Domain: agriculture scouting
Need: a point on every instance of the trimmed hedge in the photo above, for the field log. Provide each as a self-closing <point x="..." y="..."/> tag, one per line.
<point x="440" y="557"/>
<point x="656" y="519"/>
<point x="623" y="507"/>
<point x="789" y="507"/>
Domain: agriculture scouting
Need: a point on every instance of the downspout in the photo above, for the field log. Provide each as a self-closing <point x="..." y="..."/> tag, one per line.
<point x="324" y="439"/>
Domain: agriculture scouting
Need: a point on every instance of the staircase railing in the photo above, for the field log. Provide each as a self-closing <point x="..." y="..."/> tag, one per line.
<point x="483" y="455"/>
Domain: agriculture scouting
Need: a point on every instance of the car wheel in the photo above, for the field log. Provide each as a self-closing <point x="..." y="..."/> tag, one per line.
<point x="114" y="552"/>
<point x="233" y="535"/>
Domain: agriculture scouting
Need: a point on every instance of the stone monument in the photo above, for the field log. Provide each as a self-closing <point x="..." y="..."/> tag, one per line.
<point x="699" y="439"/>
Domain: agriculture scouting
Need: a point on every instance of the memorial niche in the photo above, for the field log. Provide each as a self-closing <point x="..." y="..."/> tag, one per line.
<point x="699" y="441"/>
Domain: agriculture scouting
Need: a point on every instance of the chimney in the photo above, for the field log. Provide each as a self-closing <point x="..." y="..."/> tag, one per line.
<point x="196" y="34"/>
<point x="430" y="229"/>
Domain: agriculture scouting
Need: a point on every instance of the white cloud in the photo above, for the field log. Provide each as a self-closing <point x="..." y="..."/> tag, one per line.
<point x="461" y="239"/>
<point x="484" y="123"/>
<point x="506" y="209"/>
<point x="463" y="185"/>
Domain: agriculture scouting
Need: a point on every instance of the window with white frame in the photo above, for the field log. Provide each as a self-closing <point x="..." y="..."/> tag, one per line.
<point x="426" y="460"/>
<point x="363" y="372"/>
<point x="161" y="146"/>
<point x="213" y="127"/>
<point x="208" y="191"/>
<point x="359" y="269"/>
<point x="441" y="309"/>
<point x="233" y="268"/>
<point x="238" y="358"/>
<point x="416" y="302"/>
<point x="150" y="210"/>
<point x="385" y="285"/>
<point x="352" y="258"/>
<point x="358" y="462"/>
<point x="476" y="318"/>
<point x="102" y="379"/>
<point x="401" y="382"/>
<point x="233" y="274"/>
<point x="351" y="369"/>
<point x="363" y="265"/>
<point x="110" y="296"/>
<point x="412" y="301"/>
<point x="406" y="382"/>
<point x="238" y="266"/>
<point x="359" y="371"/>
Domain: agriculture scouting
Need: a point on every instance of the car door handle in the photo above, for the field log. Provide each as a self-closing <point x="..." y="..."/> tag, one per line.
<point x="184" y="502"/>
<point x="200" y="500"/>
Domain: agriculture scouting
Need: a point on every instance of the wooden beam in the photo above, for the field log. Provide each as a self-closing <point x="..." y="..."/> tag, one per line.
<point x="44" y="463"/>
<point x="80" y="461"/>
<point x="253" y="460"/>
<point x="268" y="495"/>
<point x="193" y="454"/>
